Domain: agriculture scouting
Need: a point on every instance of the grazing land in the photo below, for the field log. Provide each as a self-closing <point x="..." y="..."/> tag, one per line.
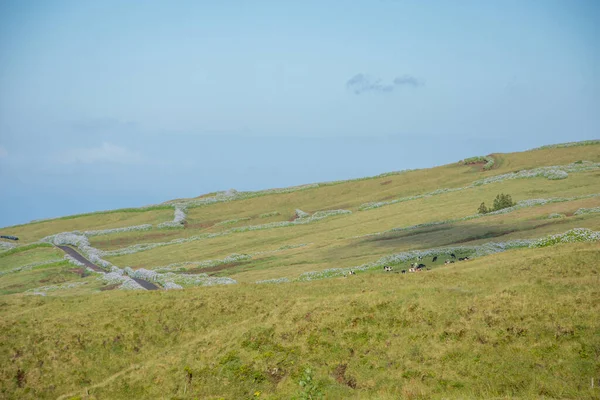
<point x="255" y="299"/>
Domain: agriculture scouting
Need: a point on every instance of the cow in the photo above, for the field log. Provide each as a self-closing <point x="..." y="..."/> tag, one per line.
<point x="403" y="271"/>
<point x="452" y="255"/>
<point x="447" y="262"/>
<point x="434" y="259"/>
<point x="421" y="266"/>
<point x="463" y="259"/>
<point x="388" y="269"/>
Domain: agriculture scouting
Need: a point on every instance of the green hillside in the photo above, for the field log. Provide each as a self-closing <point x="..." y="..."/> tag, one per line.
<point x="255" y="300"/>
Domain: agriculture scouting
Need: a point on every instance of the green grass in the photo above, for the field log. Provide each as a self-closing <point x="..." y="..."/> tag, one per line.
<point x="336" y="232"/>
<point x="107" y="220"/>
<point x="25" y="255"/>
<point x="53" y="274"/>
<point x="502" y="326"/>
<point x="518" y="324"/>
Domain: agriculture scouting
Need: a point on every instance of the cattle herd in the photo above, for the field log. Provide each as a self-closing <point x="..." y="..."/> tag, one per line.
<point x="417" y="266"/>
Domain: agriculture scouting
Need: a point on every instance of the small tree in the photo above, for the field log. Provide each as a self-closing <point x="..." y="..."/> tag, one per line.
<point x="483" y="209"/>
<point x="503" y="201"/>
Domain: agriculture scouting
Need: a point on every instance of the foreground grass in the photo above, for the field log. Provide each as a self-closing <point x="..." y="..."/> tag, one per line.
<point x="521" y="324"/>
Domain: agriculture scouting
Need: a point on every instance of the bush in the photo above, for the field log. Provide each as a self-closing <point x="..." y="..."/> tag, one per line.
<point x="483" y="209"/>
<point x="503" y="201"/>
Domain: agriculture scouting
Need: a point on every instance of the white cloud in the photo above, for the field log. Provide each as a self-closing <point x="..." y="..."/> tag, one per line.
<point x="3" y="152"/>
<point x="106" y="153"/>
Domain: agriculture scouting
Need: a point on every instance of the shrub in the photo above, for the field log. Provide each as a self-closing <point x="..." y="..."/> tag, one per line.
<point x="488" y="160"/>
<point x="482" y="209"/>
<point x="503" y="201"/>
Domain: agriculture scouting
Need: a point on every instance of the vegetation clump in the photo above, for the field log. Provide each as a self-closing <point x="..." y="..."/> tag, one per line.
<point x="576" y="235"/>
<point x="501" y="202"/>
<point x="488" y="160"/>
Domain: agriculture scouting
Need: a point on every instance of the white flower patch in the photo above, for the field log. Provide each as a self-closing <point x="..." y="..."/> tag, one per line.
<point x="130" y="284"/>
<point x="576" y="235"/>
<point x="489" y="161"/>
<point x="556" y="215"/>
<point x="67" y="238"/>
<point x="73" y="261"/>
<point x="179" y="217"/>
<point x="113" y="277"/>
<point x="172" y="286"/>
<point x="126" y="282"/>
<point x="568" y="144"/>
<point x="171" y="280"/>
<point x="193" y="280"/>
<point x="276" y="280"/>
<point x="554" y="172"/>
<point x="143" y="227"/>
<point x="142" y="273"/>
<point x="6" y="245"/>
<point x="301" y="214"/>
<point x="82" y="243"/>
<point x="583" y="211"/>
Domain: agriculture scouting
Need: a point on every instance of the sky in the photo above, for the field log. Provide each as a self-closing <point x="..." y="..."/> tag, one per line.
<point x="109" y="104"/>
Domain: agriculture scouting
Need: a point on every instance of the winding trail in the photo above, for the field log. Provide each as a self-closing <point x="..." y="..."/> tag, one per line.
<point x="73" y="253"/>
<point x="145" y="284"/>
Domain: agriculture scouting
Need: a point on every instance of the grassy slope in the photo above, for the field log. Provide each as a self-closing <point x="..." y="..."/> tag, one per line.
<point x="18" y="258"/>
<point x="35" y="231"/>
<point x="518" y="324"/>
<point x="337" y="231"/>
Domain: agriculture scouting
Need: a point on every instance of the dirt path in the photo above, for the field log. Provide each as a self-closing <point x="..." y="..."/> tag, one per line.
<point x="145" y="284"/>
<point x="73" y="253"/>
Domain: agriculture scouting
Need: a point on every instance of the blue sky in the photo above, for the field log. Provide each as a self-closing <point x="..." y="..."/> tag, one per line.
<point x="112" y="104"/>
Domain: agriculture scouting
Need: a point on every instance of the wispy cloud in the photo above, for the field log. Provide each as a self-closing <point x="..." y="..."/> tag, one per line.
<point x="407" y="80"/>
<point x="362" y="83"/>
<point x="105" y="153"/>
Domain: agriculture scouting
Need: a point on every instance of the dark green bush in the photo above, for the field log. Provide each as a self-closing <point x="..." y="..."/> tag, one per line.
<point x="500" y="202"/>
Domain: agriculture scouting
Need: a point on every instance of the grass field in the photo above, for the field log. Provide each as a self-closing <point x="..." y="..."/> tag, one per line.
<point x="520" y="323"/>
